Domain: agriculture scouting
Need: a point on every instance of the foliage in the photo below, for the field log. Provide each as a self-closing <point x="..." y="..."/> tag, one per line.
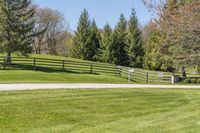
<point x="188" y="80"/>
<point x="179" y="23"/>
<point x="18" y="28"/>
<point x="82" y="37"/>
<point x="2" y="16"/>
<point x="198" y="81"/>
<point x="106" y="43"/>
<point x="119" y="48"/>
<point x="54" y="37"/>
<point x="194" y="81"/>
<point x="135" y="41"/>
<point x="94" y="47"/>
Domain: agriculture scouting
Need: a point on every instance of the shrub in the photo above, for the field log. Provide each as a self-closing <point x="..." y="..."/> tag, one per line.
<point x="194" y="81"/>
<point x="198" y="81"/>
<point x="188" y="81"/>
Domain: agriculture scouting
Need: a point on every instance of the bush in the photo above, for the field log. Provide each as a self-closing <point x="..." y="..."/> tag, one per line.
<point x="198" y="81"/>
<point x="194" y="81"/>
<point x="188" y="81"/>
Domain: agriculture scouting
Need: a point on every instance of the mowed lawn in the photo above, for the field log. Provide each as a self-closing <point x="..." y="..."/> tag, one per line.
<point x="28" y="76"/>
<point x="101" y="111"/>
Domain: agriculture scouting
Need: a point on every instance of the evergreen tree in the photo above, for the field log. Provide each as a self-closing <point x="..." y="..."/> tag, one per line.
<point x="2" y="16"/>
<point x="106" y="42"/>
<point x="18" y="28"/>
<point x="86" y="42"/>
<point x="94" y="46"/>
<point x="82" y="37"/>
<point x="136" y="51"/>
<point x="119" y="48"/>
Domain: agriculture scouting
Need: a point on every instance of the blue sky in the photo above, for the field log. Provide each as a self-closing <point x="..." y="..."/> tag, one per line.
<point x="103" y="11"/>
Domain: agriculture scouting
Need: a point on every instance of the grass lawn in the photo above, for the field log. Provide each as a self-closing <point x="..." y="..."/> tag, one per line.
<point x="101" y="111"/>
<point x="25" y="76"/>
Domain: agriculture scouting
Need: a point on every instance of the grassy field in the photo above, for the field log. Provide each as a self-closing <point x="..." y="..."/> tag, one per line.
<point x="101" y="111"/>
<point x="48" y="71"/>
<point x="26" y="76"/>
<point x="80" y="66"/>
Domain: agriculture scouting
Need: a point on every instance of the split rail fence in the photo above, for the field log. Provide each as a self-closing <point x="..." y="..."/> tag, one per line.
<point x="43" y="64"/>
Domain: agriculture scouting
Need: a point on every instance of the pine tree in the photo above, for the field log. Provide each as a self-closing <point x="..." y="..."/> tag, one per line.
<point x="2" y="16"/>
<point x="136" y="51"/>
<point x="18" y="28"/>
<point x="82" y="37"/>
<point x="119" y="48"/>
<point x="94" y="47"/>
<point x="87" y="39"/>
<point x="106" y="42"/>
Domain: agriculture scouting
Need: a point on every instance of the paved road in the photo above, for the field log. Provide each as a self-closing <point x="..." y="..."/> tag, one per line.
<point x="7" y="87"/>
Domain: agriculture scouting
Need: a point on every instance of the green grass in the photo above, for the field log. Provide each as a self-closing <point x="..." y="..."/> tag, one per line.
<point x="46" y="56"/>
<point x="100" y="111"/>
<point x="81" y="66"/>
<point x="25" y="76"/>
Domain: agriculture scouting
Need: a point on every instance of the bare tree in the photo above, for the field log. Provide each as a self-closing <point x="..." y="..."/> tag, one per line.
<point x="55" y="34"/>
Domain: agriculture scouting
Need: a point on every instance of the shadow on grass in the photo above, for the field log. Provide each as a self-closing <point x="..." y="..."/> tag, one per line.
<point x="44" y="69"/>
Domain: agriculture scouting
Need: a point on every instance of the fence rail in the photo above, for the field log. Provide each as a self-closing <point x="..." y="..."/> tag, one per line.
<point x="138" y="76"/>
<point x="149" y="77"/>
<point x="55" y="64"/>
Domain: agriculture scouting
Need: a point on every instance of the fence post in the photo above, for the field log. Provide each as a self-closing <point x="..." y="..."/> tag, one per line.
<point x="34" y="63"/>
<point x="173" y="78"/>
<point x="63" y="65"/>
<point x="4" y="63"/>
<point x="119" y="70"/>
<point x="91" y="68"/>
<point x="147" y="78"/>
<point x="129" y="76"/>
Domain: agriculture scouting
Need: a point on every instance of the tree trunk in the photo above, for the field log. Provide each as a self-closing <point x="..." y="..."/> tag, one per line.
<point x="184" y="72"/>
<point x="8" y="59"/>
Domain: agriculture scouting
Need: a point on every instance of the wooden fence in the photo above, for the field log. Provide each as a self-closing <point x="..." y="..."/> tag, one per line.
<point x="58" y="65"/>
<point x="146" y="76"/>
<point x="138" y="76"/>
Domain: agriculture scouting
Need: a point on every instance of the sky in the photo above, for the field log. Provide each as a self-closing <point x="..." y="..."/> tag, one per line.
<point x="103" y="11"/>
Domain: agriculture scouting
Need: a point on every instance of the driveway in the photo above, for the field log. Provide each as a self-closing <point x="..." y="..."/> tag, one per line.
<point x="8" y="87"/>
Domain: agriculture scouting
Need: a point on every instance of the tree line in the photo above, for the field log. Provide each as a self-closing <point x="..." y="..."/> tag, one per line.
<point x="27" y="28"/>
<point x="172" y="40"/>
<point x="169" y="42"/>
<point x="122" y="45"/>
<point x="30" y="29"/>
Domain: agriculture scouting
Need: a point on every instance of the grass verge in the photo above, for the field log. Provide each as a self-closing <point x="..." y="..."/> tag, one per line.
<point x="26" y="76"/>
<point x="97" y="111"/>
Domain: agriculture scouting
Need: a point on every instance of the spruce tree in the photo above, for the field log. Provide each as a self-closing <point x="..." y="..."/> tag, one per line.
<point x="106" y="43"/>
<point x="18" y="28"/>
<point x="82" y="37"/>
<point x="119" y="48"/>
<point x="136" y="51"/>
<point x="2" y="16"/>
<point x="86" y="42"/>
<point x="93" y="47"/>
